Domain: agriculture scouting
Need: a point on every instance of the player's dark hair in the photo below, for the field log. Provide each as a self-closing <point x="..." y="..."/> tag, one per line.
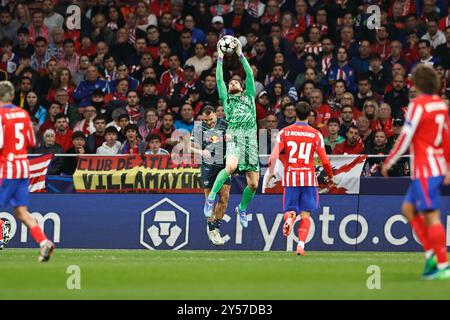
<point x="425" y="79"/>
<point x="208" y="110"/>
<point x="303" y="110"/>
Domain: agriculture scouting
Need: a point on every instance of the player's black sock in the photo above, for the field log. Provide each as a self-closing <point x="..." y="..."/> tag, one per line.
<point x="211" y="225"/>
<point x="217" y="223"/>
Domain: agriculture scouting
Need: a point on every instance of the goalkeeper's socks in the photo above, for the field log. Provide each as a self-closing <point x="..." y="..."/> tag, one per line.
<point x="436" y="235"/>
<point x="247" y="196"/>
<point x="220" y="180"/>
<point x="303" y="229"/>
<point x="211" y="225"/>
<point x="421" y="230"/>
<point x="38" y="235"/>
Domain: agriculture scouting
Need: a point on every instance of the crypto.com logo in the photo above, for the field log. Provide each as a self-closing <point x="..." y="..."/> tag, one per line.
<point x="374" y="20"/>
<point x="165" y="225"/>
<point x="73" y="21"/>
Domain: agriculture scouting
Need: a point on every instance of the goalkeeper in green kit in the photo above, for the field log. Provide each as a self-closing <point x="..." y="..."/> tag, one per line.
<point x="242" y="145"/>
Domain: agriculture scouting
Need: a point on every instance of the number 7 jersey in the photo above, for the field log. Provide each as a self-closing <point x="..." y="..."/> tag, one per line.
<point x="426" y="134"/>
<point x="301" y="142"/>
<point x="16" y="136"/>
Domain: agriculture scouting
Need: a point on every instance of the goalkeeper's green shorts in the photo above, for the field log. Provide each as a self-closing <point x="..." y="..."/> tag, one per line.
<point x="245" y="148"/>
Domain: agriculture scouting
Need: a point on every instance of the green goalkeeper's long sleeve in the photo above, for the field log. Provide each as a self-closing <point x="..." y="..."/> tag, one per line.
<point x="249" y="79"/>
<point x="221" y="86"/>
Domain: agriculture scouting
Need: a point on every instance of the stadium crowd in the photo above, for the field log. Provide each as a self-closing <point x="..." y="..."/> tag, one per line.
<point x="136" y="75"/>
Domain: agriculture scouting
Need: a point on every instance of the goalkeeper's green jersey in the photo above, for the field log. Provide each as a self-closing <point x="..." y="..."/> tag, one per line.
<point x="240" y="109"/>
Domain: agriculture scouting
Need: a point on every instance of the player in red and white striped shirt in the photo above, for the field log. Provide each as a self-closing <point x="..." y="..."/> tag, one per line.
<point x="426" y="134"/>
<point x="300" y="142"/>
<point x="16" y="136"/>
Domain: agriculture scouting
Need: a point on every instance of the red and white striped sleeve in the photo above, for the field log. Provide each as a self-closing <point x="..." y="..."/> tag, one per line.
<point x="415" y="112"/>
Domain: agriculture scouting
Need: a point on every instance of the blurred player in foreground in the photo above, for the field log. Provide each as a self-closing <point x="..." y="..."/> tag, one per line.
<point x="208" y="141"/>
<point x="242" y="149"/>
<point x="300" y="142"/>
<point x="426" y="134"/>
<point x="16" y="136"/>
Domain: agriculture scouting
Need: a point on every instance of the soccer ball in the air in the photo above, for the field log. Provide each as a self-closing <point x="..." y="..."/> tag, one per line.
<point x="228" y="44"/>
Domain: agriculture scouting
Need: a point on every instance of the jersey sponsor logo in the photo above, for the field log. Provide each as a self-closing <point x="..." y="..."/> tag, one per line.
<point x="164" y="225"/>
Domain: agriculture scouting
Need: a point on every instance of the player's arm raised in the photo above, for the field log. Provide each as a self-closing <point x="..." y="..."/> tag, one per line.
<point x="221" y="86"/>
<point x="413" y="117"/>
<point x="249" y="79"/>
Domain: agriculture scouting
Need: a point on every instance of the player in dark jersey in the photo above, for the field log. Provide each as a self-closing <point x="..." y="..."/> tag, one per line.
<point x="208" y="142"/>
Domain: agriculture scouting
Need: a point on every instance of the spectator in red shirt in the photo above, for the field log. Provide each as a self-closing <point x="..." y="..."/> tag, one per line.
<point x="165" y="132"/>
<point x="172" y="76"/>
<point x="352" y="143"/>
<point x="97" y="138"/>
<point x="323" y="110"/>
<point x="63" y="132"/>
<point x="385" y="121"/>
<point x="382" y="45"/>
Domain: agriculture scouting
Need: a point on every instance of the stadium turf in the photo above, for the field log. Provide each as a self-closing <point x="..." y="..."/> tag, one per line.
<point x="139" y="274"/>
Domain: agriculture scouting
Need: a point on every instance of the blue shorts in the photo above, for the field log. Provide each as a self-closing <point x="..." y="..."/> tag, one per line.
<point x="300" y="199"/>
<point x="425" y="194"/>
<point x="14" y="192"/>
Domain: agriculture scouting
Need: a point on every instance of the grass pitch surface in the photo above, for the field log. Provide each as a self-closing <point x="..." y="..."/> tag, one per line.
<point x="143" y="274"/>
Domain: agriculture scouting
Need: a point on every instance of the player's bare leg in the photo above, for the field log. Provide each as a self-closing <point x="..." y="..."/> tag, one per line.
<point x="436" y="236"/>
<point x="230" y="167"/>
<point x="303" y="230"/>
<point x="252" y="178"/>
<point x="47" y="247"/>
